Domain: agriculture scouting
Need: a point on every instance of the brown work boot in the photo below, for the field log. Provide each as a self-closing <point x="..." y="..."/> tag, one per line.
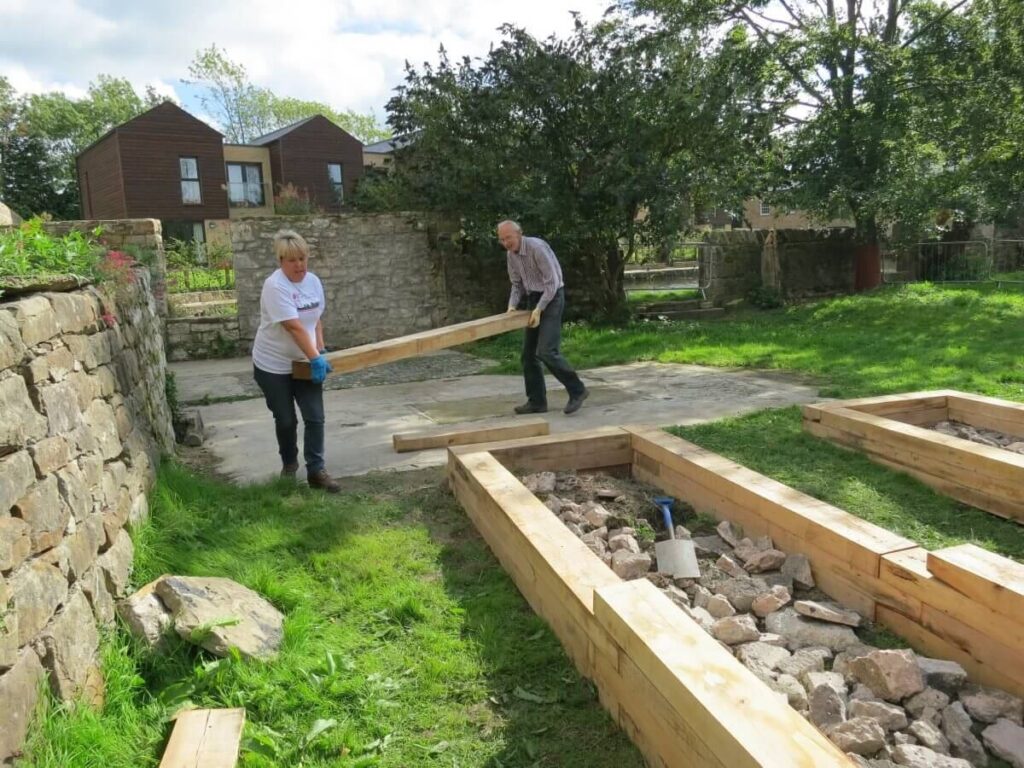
<point x="323" y="481"/>
<point x="288" y="471"/>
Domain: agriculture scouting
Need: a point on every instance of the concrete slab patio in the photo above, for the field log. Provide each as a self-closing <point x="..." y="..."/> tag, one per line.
<point x="361" y="419"/>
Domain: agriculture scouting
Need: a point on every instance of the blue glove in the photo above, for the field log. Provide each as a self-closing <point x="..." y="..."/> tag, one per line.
<point x="319" y="368"/>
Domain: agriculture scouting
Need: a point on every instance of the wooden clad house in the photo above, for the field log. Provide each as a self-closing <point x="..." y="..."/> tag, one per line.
<point x="168" y="165"/>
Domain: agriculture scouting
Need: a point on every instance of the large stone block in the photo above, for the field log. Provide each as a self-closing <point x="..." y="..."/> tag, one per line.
<point x="59" y="363"/>
<point x="69" y="650"/>
<point x="12" y="348"/>
<point x="116" y="563"/>
<point x="51" y="454"/>
<point x="19" y="693"/>
<point x="75" y="312"/>
<point x="45" y="512"/>
<point x="15" y="542"/>
<point x="8" y="627"/>
<point x="94" y="585"/>
<point x="83" y="546"/>
<point x="101" y="422"/>
<point x="39" y="589"/>
<point x="74" y="490"/>
<point x="16" y="476"/>
<point x="60" y="404"/>
<point x="20" y="422"/>
<point x="81" y="349"/>
<point x="35" y="319"/>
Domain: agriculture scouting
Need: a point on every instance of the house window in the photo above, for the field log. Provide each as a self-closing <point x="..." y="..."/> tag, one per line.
<point x="766" y="210"/>
<point x="245" y="185"/>
<point x="337" y="184"/>
<point x="190" y="194"/>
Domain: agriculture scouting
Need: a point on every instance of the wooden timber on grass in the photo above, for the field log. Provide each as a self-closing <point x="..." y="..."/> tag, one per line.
<point x="205" y="738"/>
<point x="390" y="350"/>
<point x="681" y="698"/>
<point x="469" y="433"/>
<point x="887" y="430"/>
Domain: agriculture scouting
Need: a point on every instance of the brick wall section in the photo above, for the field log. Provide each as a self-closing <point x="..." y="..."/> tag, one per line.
<point x="85" y="419"/>
<point x="813" y="262"/>
<point x="385" y="275"/>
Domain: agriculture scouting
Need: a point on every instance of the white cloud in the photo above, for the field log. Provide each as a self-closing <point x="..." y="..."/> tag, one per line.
<point x="348" y="53"/>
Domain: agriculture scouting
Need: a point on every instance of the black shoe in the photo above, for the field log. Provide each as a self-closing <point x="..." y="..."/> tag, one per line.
<point x="530" y="408"/>
<point x="323" y="481"/>
<point x="288" y="471"/>
<point x="575" y="402"/>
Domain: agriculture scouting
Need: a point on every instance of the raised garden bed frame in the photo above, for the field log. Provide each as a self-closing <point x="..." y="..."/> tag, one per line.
<point x="889" y="431"/>
<point x="682" y="698"/>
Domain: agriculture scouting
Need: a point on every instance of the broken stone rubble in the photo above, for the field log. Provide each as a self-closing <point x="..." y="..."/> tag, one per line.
<point x="883" y="707"/>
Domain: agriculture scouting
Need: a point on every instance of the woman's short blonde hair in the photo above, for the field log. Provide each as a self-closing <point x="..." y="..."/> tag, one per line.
<point x="288" y="242"/>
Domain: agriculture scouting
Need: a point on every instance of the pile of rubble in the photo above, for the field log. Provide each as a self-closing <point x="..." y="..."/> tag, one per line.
<point x="984" y="436"/>
<point x="883" y="707"/>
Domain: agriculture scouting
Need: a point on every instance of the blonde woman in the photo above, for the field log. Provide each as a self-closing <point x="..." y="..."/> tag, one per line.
<point x="291" y="305"/>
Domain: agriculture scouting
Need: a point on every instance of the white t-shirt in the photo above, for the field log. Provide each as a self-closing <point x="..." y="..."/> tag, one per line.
<point x="274" y="348"/>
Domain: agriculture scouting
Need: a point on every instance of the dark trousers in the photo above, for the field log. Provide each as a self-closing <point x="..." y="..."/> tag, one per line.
<point x="282" y="392"/>
<point x="543" y="345"/>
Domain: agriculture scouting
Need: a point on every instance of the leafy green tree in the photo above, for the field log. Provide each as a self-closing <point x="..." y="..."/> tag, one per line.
<point x="27" y="170"/>
<point x="855" y="79"/>
<point x="593" y="142"/>
<point x="244" y="111"/>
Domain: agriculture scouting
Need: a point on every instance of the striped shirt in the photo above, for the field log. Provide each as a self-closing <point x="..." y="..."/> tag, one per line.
<point x="533" y="269"/>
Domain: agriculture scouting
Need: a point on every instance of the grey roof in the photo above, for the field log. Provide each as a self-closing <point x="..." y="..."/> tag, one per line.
<point x="275" y="135"/>
<point x="390" y="145"/>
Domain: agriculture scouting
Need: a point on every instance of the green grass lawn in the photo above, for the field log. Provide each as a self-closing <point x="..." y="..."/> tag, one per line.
<point x="405" y="642"/>
<point x="892" y="340"/>
<point x="647" y="297"/>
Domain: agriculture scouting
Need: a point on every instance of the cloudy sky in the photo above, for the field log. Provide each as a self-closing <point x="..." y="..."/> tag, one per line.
<point x="347" y="53"/>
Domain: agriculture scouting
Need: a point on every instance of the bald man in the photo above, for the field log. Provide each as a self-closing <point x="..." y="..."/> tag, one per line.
<point x="536" y="276"/>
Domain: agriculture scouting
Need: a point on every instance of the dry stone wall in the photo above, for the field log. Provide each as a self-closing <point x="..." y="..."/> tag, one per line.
<point x="384" y="275"/>
<point x="812" y="262"/>
<point x="84" y="422"/>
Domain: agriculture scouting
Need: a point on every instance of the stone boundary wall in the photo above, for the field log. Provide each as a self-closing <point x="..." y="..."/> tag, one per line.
<point x="813" y="262"/>
<point x="385" y="275"/>
<point x="84" y="421"/>
<point x="131" y="234"/>
<point x="202" y="338"/>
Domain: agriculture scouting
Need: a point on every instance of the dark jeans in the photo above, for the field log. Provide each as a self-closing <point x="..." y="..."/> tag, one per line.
<point x="542" y="345"/>
<point x="282" y="392"/>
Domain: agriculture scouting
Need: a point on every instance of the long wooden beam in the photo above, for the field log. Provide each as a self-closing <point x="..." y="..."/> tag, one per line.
<point x="380" y="352"/>
<point x="469" y="433"/>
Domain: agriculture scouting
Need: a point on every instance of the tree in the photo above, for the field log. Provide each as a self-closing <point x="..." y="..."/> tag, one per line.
<point x="576" y="138"/>
<point x="856" y="78"/>
<point x="28" y="171"/>
<point x="244" y="111"/>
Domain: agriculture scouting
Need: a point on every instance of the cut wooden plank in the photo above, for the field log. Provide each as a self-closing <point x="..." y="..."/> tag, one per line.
<point x="990" y="579"/>
<point x="987" y="413"/>
<point x="998" y="496"/>
<point x="205" y="738"/>
<point x="945" y="450"/>
<point x="469" y="433"/>
<point x="908" y="572"/>
<point x="378" y="353"/>
<point x="555" y="571"/>
<point x="734" y="715"/>
<point x="884" y="404"/>
<point x="831" y="529"/>
<point x="590" y="449"/>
